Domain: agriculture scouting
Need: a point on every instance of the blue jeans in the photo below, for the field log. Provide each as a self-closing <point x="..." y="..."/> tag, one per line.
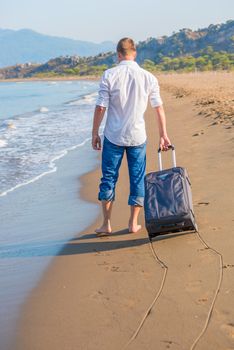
<point x="112" y="156"/>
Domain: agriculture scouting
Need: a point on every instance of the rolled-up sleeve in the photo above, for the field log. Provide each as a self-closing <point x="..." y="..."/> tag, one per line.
<point x="103" y="93"/>
<point x="155" y="98"/>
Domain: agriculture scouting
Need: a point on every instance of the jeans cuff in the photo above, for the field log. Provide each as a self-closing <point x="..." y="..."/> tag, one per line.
<point x="135" y="200"/>
<point x="106" y="196"/>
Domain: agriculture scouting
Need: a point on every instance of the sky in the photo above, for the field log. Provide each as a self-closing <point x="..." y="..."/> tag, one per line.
<point x="102" y="20"/>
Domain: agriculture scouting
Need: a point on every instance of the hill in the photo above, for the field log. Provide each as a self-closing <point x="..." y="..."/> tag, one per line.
<point x="219" y="37"/>
<point x="205" y="49"/>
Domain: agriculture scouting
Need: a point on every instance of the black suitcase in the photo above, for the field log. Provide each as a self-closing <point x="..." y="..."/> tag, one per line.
<point x="168" y="200"/>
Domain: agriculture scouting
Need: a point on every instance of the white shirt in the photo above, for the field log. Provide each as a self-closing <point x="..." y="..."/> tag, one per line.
<point x="125" y="90"/>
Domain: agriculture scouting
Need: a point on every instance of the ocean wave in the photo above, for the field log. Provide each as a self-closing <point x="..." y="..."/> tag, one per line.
<point x="52" y="168"/>
<point x="85" y="99"/>
<point x="11" y="125"/>
<point x="3" y="143"/>
<point x="43" y="110"/>
<point x="7" y="124"/>
<point x="37" y="138"/>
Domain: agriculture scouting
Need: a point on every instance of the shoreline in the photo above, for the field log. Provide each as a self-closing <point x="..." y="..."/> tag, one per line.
<point x="52" y="168"/>
<point x="86" y="77"/>
<point x="70" y="306"/>
<point x="97" y="77"/>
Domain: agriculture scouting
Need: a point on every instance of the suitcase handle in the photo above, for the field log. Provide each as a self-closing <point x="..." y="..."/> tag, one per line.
<point x="172" y="147"/>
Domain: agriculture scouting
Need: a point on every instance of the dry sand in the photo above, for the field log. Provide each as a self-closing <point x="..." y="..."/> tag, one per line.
<point x="99" y="292"/>
<point x="212" y="92"/>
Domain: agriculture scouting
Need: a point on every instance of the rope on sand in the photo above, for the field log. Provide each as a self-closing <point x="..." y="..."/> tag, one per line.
<point x="164" y="266"/>
<point x="216" y="291"/>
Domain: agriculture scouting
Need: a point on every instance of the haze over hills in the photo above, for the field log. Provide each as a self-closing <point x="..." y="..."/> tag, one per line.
<point x="26" y="45"/>
<point x="204" y="49"/>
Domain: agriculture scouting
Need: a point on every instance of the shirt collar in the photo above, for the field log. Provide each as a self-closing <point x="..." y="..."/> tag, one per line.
<point x="128" y="62"/>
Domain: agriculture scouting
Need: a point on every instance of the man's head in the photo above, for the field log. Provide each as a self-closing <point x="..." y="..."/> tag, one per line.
<point x="126" y="49"/>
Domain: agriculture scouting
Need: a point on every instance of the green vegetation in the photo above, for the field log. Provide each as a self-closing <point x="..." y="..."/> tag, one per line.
<point x="50" y="74"/>
<point x="84" y="69"/>
<point x="79" y="70"/>
<point x="205" y="60"/>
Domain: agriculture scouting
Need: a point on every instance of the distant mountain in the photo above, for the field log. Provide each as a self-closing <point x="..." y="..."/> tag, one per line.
<point x="25" y="45"/>
<point x="205" y="43"/>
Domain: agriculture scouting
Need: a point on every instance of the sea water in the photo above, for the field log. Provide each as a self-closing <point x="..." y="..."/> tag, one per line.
<point x="45" y="130"/>
<point x="39" y="123"/>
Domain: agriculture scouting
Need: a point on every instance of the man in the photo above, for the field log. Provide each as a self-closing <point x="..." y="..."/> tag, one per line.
<point x="125" y="90"/>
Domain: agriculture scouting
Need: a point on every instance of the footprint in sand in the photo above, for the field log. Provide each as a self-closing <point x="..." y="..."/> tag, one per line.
<point x="193" y="286"/>
<point x="214" y="123"/>
<point x="116" y="269"/>
<point x="104" y="263"/>
<point x="204" y="256"/>
<point x="228" y="329"/>
<point x="228" y="266"/>
<point x="202" y="301"/>
<point x="98" y="253"/>
<point x="99" y="296"/>
<point x="169" y="343"/>
<point x="199" y="133"/>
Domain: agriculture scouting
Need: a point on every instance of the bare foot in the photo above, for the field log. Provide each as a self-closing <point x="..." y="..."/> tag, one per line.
<point x="133" y="228"/>
<point x="104" y="229"/>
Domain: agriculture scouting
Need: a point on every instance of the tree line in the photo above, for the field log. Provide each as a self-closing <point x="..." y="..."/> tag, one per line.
<point x="205" y="60"/>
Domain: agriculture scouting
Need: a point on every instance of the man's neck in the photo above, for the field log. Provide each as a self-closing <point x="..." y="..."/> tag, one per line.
<point x="127" y="58"/>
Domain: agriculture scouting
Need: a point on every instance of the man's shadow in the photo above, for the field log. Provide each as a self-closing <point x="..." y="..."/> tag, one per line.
<point x="76" y="246"/>
<point x="86" y="243"/>
<point x="101" y="243"/>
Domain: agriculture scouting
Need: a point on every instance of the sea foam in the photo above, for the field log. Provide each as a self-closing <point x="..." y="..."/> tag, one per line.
<point x="44" y="109"/>
<point x="3" y="143"/>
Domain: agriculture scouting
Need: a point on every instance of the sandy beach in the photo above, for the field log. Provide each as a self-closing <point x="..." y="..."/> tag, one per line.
<point x="120" y="291"/>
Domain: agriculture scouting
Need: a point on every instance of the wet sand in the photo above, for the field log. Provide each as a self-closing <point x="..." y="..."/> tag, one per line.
<point x="59" y="78"/>
<point x="34" y="227"/>
<point x="121" y="292"/>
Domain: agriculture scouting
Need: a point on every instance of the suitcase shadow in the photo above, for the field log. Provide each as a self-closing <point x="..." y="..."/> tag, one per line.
<point x="171" y="235"/>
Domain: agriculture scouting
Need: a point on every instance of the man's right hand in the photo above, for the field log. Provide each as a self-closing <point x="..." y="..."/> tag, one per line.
<point x="96" y="142"/>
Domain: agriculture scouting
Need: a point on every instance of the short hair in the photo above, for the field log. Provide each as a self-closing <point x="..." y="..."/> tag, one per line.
<point x="126" y="46"/>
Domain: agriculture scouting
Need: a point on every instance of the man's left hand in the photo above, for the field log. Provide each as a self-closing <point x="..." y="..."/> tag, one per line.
<point x="164" y="143"/>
